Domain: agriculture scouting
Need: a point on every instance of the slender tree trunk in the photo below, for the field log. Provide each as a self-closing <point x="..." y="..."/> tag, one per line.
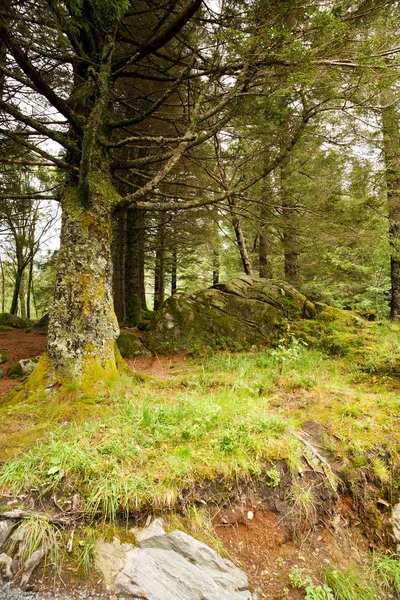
<point x="235" y="218"/>
<point x="22" y="295"/>
<point x="240" y="239"/>
<point x="216" y="266"/>
<point x="3" y="287"/>
<point x="16" y="292"/>
<point x="83" y="326"/>
<point x="29" y="289"/>
<point x="119" y="258"/>
<point x="290" y="240"/>
<point x="264" y="264"/>
<point x="135" y="294"/>
<point x="34" y="299"/>
<point x="391" y="151"/>
<point x="174" y="271"/>
<point x="159" y="271"/>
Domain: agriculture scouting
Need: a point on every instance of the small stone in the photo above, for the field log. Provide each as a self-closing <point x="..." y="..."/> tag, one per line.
<point x="250" y="515"/>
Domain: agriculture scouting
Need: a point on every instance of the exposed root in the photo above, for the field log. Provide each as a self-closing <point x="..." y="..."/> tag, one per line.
<point x="32" y="563"/>
<point x="326" y="467"/>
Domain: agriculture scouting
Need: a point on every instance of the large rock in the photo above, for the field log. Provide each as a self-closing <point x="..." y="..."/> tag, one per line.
<point x="8" y="320"/>
<point x="131" y="346"/>
<point x="170" y="566"/>
<point x="243" y="312"/>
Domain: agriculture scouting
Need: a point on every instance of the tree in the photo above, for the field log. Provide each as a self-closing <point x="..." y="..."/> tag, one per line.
<point x="77" y="60"/>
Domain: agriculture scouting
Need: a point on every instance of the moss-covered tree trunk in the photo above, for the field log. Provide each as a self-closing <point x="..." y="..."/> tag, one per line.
<point x="83" y="327"/>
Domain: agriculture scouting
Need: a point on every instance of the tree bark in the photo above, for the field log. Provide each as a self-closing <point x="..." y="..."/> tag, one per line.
<point x="391" y="151"/>
<point x="290" y="241"/>
<point x="119" y="262"/>
<point x="174" y="271"/>
<point x="29" y="290"/>
<point x="264" y="264"/>
<point x="159" y="271"/>
<point x="22" y="296"/>
<point x="16" y="292"/>
<point x="240" y="239"/>
<point x="135" y="293"/>
<point x="83" y="326"/>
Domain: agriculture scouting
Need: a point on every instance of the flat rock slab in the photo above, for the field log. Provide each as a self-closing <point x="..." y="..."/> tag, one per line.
<point x="175" y="565"/>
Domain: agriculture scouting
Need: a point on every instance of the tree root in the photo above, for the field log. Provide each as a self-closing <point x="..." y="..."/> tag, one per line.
<point x="32" y="563"/>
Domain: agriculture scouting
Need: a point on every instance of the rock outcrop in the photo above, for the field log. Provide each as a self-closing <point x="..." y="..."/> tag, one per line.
<point x="238" y="314"/>
<point x="167" y="566"/>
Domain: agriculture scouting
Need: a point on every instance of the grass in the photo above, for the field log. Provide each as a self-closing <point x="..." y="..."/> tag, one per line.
<point x="377" y="579"/>
<point x="33" y="533"/>
<point x="143" y="442"/>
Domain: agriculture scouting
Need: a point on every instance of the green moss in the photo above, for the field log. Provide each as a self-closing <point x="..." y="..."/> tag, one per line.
<point x="134" y="312"/>
<point x="15" y="371"/>
<point x="130" y="345"/>
<point x="14" y="322"/>
<point x="4" y="354"/>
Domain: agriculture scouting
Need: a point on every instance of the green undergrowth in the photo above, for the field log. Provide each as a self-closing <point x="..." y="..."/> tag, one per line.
<point x="377" y="578"/>
<point x="143" y="442"/>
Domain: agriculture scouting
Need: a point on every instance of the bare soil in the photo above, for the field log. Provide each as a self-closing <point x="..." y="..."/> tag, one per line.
<point x="19" y="345"/>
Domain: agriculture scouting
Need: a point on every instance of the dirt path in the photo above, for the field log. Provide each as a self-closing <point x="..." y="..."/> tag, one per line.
<point x="19" y="345"/>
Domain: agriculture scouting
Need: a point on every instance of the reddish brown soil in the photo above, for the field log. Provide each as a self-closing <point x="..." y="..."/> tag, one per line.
<point x="157" y="366"/>
<point x="19" y="345"/>
<point x="263" y="547"/>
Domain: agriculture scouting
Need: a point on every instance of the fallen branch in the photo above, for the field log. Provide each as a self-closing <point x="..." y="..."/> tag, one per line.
<point x="21" y="514"/>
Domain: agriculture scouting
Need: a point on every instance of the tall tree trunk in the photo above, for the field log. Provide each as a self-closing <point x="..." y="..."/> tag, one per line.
<point x="216" y="266"/>
<point x="264" y="264"/>
<point x="83" y="326"/>
<point x="135" y="294"/>
<point x="174" y="271"/>
<point x="22" y="295"/>
<point x="159" y="270"/>
<point x="235" y="218"/>
<point x="29" y="290"/>
<point x="391" y="151"/>
<point x="3" y="287"/>
<point x="290" y="239"/>
<point x="16" y="292"/>
<point x="119" y="257"/>
<point x="240" y="239"/>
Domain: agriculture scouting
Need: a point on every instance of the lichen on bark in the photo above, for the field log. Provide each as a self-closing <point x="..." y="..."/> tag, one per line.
<point x="83" y="327"/>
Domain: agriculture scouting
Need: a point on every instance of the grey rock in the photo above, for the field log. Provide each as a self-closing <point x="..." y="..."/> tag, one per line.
<point x="396" y="526"/>
<point x="6" y="528"/>
<point x="168" y="566"/>
<point x="28" y="364"/>
<point x="154" y="529"/>
<point x="110" y="559"/>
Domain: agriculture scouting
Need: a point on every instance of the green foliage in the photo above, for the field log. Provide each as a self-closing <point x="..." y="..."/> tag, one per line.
<point x="351" y="584"/>
<point x="33" y="533"/>
<point x="387" y="568"/>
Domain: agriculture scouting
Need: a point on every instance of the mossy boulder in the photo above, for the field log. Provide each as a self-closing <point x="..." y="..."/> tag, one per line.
<point x="236" y="315"/>
<point x="14" y="322"/>
<point x="42" y="325"/>
<point x="3" y="356"/>
<point x="131" y="346"/>
<point x="22" y="368"/>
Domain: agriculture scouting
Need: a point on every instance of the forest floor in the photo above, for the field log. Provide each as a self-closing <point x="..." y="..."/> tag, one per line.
<point x="234" y="449"/>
